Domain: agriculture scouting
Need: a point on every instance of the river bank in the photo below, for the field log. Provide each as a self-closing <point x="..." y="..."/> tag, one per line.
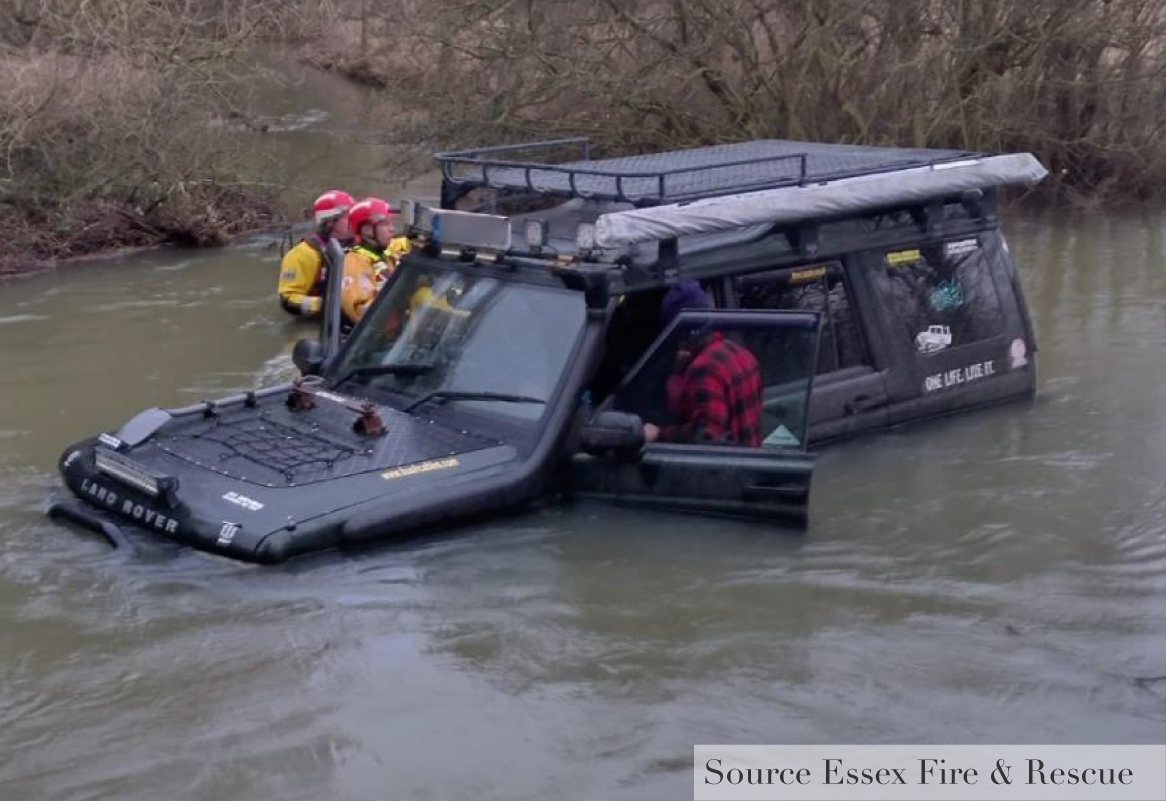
<point x="212" y="218"/>
<point x="122" y="126"/>
<point x="299" y="131"/>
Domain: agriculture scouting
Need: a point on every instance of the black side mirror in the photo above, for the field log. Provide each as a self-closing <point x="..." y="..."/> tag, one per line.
<point x="308" y="356"/>
<point x="609" y="431"/>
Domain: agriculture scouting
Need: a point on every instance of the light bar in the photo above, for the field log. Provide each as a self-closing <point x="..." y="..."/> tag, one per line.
<point x="535" y="232"/>
<point x="585" y="236"/>
<point x="469" y="230"/>
<point x="409" y="212"/>
<point x="126" y="471"/>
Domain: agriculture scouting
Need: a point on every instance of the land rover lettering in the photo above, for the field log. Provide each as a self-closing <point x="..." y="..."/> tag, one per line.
<point x="149" y="517"/>
<point x="99" y="493"/>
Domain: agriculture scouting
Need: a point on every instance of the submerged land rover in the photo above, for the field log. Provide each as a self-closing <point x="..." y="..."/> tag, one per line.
<point x="519" y="349"/>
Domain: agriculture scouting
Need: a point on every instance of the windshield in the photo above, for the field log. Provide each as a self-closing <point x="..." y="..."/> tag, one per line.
<point x="471" y="341"/>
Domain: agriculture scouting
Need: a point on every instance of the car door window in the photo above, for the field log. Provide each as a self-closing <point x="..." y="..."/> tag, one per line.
<point x="727" y="378"/>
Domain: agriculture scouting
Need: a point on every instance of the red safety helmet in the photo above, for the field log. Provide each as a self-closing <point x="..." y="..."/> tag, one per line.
<point x="369" y="211"/>
<point x="330" y="205"/>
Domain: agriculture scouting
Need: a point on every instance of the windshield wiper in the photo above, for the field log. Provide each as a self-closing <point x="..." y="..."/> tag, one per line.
<point x="454" y="394"/>
<point x="385" y="369"/>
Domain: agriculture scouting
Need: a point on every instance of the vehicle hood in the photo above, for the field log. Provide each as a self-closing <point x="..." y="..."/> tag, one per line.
<point x="241" y="474"/>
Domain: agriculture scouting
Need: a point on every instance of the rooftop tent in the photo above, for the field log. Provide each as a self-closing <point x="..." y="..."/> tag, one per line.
<point x="725" y="187"/>
<point x="793" y="204"/>
<point x="678" y="175"/>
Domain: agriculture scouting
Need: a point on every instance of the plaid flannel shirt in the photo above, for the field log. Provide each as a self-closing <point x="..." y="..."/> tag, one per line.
<point x="718" y="397"/>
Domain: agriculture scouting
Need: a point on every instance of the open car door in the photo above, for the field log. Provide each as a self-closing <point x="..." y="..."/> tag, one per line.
<point x="726" y="443"/>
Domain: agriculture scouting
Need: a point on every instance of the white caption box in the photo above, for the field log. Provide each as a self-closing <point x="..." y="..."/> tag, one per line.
<point x="929" y="772"/>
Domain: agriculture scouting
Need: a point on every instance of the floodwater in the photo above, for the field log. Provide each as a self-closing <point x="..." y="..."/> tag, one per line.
<point x="991" y="578"/>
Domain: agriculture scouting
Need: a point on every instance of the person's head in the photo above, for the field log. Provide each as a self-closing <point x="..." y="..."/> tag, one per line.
<point x="680" y="296"/>
<point x="372" y="222"/>
<point x="330" y="213"/>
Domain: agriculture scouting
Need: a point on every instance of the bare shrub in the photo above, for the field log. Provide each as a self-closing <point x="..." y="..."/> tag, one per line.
<point x="110" y="117"/>
<point x="1078" y="82"/>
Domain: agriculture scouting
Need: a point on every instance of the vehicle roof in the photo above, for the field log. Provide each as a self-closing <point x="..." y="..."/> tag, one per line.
<point x="708" y="256"/>
<point x="677" y="175"/>
<point x="705" y="211"/>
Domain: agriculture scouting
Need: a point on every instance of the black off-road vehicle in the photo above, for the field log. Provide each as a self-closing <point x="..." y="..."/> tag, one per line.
<point x="519" y="348"/>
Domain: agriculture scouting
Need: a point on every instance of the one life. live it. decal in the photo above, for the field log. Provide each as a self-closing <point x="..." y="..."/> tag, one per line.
<point x="959" y="376"/>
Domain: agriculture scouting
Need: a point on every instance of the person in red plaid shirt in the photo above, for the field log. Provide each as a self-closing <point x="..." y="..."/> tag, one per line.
<point x="716" y="391"/>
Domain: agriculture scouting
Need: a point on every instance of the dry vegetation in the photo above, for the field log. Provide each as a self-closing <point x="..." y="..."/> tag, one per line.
<point x="108" y="133"/>
<point x="1081" y="83"/>
<point x="112" y="112"/>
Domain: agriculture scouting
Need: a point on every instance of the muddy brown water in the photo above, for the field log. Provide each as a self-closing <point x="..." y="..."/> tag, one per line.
<point x="991" y="578"/>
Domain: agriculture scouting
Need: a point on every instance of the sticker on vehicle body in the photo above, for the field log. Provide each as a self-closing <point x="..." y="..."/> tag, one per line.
<point x="904" y="256"/>
<point x="227" y="534"/>
<point x="249" y="504"/>
<point x="960" y="247"/>
<point x="935" y="338"/>
<point x="420" y="467"/>
<point x="1018" y="354"/>
<point x="959" y="376"/>
<point x="809" y="274"/>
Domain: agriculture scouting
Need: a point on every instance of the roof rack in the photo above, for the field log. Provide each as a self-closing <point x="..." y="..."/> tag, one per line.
<point x="676" y="176"/>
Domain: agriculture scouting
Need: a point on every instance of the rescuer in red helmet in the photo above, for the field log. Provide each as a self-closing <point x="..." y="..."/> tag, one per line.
<point x="303" y="272"/>
<point x="372" y="259"/>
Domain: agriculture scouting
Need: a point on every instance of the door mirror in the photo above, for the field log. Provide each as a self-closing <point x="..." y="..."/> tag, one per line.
<point x="308" y="356"/>
<point x="612" y="431"/>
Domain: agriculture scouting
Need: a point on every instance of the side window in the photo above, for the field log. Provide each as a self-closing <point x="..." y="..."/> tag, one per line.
<point x="944" y="294"/>
<point x="815" y="288"/>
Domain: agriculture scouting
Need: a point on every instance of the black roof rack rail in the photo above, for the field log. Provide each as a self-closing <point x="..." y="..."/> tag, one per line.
<point x="675" y="176"/>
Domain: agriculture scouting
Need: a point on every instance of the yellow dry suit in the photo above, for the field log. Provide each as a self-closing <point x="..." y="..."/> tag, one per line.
<point x="303" y="274"/>
<point x="365" y="271"/>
